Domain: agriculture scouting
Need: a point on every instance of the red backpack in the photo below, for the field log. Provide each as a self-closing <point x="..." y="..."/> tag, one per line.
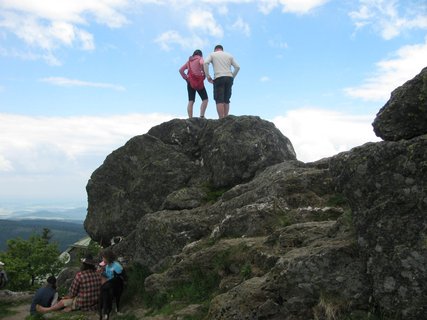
<point x="196" y="80"/>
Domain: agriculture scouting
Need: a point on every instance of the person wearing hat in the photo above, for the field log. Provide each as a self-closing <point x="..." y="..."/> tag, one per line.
<point x="45" y="296"/>
<point x="84" y="290"/>
<point x="3" y="276"/>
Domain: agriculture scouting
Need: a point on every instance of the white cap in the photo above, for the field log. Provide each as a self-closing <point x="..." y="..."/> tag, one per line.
<point x="1" y="263"/>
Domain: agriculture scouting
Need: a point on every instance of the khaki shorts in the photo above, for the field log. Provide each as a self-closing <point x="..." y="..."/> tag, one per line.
<point x="70" y="303"/>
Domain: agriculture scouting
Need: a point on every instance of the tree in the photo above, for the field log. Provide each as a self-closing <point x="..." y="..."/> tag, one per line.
<point x="30" y="261"/>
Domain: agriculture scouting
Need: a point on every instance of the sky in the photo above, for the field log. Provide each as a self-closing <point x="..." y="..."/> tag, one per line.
<point x="79" y="78"/>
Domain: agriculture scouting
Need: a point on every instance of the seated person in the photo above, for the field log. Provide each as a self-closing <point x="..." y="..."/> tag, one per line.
<point x="45" y="296"/>
<point x="84" y="290"/>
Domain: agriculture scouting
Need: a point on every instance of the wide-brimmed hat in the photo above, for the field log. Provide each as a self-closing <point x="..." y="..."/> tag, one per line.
<point x="89" y="260"/>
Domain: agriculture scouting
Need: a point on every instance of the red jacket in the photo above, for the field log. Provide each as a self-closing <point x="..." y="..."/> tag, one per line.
<point x="196" y="67"/>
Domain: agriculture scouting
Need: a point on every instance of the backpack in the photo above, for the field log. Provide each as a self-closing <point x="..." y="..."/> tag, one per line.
<point x="195" y="80"/>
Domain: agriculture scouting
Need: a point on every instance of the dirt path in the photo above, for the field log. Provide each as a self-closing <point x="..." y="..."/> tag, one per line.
<point x="21" y="310"/>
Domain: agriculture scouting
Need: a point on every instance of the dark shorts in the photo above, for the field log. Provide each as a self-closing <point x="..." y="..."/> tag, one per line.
<point x="222" y="89"/>
<point x="192" y="93"/>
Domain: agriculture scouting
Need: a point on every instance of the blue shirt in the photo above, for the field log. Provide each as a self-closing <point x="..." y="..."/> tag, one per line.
<point x="43" y="297"/>
<point x="111" y="268"/>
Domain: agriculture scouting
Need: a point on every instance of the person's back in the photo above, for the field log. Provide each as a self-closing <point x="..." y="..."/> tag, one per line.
<point x="85" y="287"/>
<point x="196" y="65"/>
<point x="44" y="297"/>
<point x="222" y="62"/>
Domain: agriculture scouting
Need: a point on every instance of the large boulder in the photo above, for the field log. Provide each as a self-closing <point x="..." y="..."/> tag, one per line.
<point x="404" y="116"/>
<point x="222" y="214"/>
<point x="177" y="165"/>
<point x="386" y="186"/>
<point x="281" y="195"/>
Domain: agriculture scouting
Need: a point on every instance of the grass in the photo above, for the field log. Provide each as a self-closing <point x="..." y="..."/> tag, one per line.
<point x="337" y="200"/>
<point x="5" y="309"/>
<point x="213" y="193"/>
<point x="134" y="288"/>
<point x="198" y="290"/>
<point x="201" y="284"/>
<point x="330" y="307"/>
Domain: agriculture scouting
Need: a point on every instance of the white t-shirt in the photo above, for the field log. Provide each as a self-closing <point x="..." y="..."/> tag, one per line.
<point x="222" y="62"/>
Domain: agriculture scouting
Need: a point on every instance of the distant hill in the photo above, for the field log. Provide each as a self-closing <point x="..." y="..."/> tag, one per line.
<point x="50" y="214"/>
<point x="63" y="232"/>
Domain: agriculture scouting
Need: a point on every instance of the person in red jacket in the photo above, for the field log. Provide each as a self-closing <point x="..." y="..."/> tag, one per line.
<point x="195" y="82"/>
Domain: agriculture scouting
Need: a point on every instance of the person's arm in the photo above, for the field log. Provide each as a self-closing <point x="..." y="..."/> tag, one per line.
<point x="202" y="66"/>
<point x="117" y="267"/>
<point x="236" y="67"/>
<point x="206" y="68"/>
<point x="182" y="69"/>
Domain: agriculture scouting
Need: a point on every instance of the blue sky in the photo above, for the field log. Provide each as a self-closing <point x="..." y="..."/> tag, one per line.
<point x="79" y="78"/>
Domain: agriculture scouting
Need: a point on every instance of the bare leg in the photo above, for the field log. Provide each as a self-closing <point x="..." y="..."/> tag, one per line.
<point x="190" y="109"/>
<point x="226" y="109"/>
<point x="203" y="107"/>
<point x="55" y="307"/>
<point x="220" y="110"/>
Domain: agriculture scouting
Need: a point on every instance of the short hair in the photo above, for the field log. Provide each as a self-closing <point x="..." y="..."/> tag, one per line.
<point x="218" y="47"/>
<point x="51" y="280"/>
<point x="198" y="53"/>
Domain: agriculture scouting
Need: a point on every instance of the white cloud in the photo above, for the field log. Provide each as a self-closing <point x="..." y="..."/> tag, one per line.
<point x="291" y="6"/>
<point x="204" y="21"/>
<point x="50" y="24"/>
<point x="277" y="43"/>
<point x="265" y="79"/>
<point x="201" y="23"/>
<point x="242" y="26"/>
<point x="385" y="17"/>
<point x="5" y="165"/>
<point x="65" y="82"/>
<point x="46" y="36"/>
<point x="392" y="73"/>
<point x="54" y="156"/>
<point x="317" y="133"/>
<point x="105" y="11"/>
<point x="48" y="57"/>
<point x="167" y="39"/>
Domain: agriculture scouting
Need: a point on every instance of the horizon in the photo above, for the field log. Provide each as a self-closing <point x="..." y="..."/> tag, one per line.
<point x="79" y="79"/>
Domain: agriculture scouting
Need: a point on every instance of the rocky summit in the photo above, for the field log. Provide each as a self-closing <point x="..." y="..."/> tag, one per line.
<point x="225" y="207"/>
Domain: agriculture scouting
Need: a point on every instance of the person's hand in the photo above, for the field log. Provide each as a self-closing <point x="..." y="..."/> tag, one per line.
<point x="210" y="80"/>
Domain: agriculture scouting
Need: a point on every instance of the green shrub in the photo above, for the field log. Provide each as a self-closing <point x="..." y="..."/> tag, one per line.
<point x="213" y="193"/>
<point x="135" y="289"/>
<point x="337" y="200"/>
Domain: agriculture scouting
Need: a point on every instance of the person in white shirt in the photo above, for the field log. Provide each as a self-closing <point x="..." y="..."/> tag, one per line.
<point x="224" y="75"/>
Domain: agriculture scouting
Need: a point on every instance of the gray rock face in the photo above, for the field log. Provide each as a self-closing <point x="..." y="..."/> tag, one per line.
<point x="404" y="116"/>
<point x="282" y="194"/>
<point x="161" y="168"/>
<point x="386" y="185"/>
<point x="271" y="237"/>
